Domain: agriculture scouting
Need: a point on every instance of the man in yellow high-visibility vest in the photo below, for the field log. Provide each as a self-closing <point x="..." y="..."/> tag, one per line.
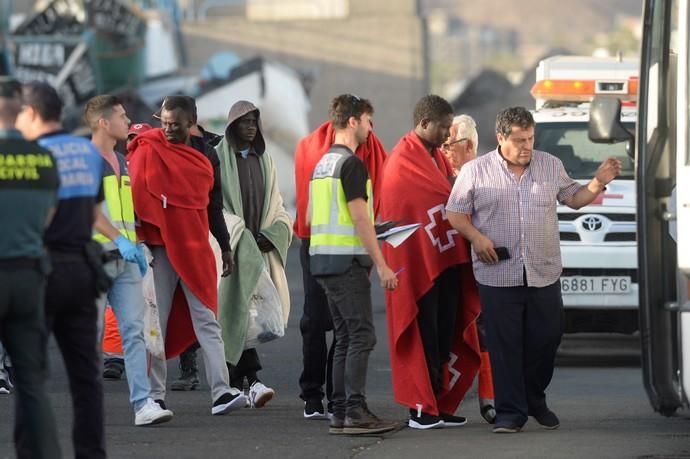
<point x="342" y="250"/>
<point x="114" y="229"/>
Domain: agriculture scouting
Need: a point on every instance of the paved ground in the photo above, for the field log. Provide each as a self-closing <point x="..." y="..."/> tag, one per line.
<point x="597" y="392"/>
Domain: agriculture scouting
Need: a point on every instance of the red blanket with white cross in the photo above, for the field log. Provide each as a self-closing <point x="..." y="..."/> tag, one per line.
<point x="415" y="189"/>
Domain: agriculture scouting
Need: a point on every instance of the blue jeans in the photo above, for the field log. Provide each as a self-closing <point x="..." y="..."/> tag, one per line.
<point x="126" y="298"/>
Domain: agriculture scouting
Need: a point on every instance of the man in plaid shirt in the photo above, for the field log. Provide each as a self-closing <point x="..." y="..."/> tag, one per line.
<point x="507" y="199"/>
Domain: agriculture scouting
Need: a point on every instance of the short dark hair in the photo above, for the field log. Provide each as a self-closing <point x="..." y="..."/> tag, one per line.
<point x="43" y="98"/>
<point x="10" y="99"/>
<point x="432" y="108"/>
<point x="10" y="88"/>
<point x="185" y="103"/>
<point x="346" y="105"/>
<point x="100" y="107"/>
<point x="513" y="116"/>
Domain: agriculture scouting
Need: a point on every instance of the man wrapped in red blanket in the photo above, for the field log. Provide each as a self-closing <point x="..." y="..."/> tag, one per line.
<point x="176" y="192"/>
<point x="432" y="314"/>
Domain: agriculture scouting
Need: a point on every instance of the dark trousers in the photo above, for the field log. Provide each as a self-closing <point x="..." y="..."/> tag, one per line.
<point x="72" y="315"/>
<point x="247" y="367"/>
<point x="349" y="298"/>
<point x="523" y="326"/>
<point x="23" y="333"/>
<point x="436" y="321"/>
<point x="317" y="359"/>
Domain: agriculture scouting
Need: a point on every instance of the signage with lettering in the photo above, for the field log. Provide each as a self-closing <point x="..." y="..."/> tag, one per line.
<point x="64" y="17"/>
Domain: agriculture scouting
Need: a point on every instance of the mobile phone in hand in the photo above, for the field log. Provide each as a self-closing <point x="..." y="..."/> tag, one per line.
<point x="502" y="253"/>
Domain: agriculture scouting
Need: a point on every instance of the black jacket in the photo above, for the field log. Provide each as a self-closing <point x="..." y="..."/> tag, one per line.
<point x="216" y="222"/>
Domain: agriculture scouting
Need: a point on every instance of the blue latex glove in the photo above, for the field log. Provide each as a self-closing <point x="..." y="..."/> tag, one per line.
<point x="127" y="248"/>
<point x="132" y="253"/>
<point x="141" y="260"/>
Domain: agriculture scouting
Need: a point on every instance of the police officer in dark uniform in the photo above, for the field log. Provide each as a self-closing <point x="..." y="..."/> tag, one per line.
<point x="28" y="195"/>
<point x="77" y="275"/>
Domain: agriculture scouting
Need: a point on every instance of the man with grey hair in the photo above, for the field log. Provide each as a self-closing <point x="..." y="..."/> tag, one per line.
<point x="504" y="203"/>
<point x="461" y="146"/>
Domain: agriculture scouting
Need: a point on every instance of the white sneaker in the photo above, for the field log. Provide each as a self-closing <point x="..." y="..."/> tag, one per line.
<point x="259" y="394"/>
<point x="152" y="413"/>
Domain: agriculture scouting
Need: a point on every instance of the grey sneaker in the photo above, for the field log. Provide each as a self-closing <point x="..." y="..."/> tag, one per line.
<point x="361" y="421"/>
<point x="189" y="374"/>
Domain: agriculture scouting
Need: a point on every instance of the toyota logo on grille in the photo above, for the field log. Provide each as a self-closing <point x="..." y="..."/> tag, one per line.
<point x="592" y="223"/>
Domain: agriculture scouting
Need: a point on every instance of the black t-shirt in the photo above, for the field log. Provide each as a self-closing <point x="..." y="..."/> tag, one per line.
<point x="81" y="187"/>
<point x="354" y="177"/>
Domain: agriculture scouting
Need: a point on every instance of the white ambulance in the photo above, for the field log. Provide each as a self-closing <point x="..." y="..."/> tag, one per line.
<point x="598" y="242"/>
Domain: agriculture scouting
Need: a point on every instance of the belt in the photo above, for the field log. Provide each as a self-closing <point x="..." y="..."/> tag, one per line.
<point x="20" y="263"/>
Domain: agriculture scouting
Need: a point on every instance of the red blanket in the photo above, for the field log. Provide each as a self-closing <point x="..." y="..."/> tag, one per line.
<point x="415" y="190"/>
<point x="310" y="150"/>
<point x="170" y="187"/>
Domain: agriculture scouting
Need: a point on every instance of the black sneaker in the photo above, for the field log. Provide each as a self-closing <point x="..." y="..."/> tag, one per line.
<point x="161" y="403"/>
<point x="313" y="409"/>
<point x="548" y="420"/>
<point x="453" y="421"/>
<point x="425" y="421"/>
<point x="113" y="369"/>
<point x="228" y="402"/>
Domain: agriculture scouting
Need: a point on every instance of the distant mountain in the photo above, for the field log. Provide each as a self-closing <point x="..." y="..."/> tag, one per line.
<point x="543" y="24"/>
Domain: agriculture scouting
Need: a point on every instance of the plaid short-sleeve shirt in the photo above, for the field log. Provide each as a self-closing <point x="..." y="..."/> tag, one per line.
<point x="516" y="213"/>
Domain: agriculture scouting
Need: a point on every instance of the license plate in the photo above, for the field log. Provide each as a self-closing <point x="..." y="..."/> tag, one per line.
<point x="595" y="285"/>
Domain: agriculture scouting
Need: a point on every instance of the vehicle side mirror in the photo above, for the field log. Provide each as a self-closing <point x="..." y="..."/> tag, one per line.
<point x="605" y="123"/>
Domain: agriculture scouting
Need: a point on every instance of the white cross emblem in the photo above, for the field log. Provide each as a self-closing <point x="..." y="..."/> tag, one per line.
<point x="456" y="374"/>
<point x="436" y="241"/>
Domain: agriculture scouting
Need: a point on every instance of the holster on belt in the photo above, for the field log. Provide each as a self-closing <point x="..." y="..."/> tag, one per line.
<point x="94" y="258"/>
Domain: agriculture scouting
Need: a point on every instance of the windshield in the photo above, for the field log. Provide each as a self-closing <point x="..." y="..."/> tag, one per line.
<point x="580" y="156"/>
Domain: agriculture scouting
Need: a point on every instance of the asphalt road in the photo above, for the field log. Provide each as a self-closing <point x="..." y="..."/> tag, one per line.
<point x="597" y="392"/>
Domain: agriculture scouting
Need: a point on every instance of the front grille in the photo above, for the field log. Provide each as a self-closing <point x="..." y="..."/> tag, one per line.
<point x="570" y="216"/>
<point x="570" y="237"/>
<point x="620" y="237"/>
<point x="601" y="272"/>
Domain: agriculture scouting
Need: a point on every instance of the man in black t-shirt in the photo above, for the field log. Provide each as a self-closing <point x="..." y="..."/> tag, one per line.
<point x="28" y="194"/>
<point x="342" y="249"/>
<point x="72" y="286"/>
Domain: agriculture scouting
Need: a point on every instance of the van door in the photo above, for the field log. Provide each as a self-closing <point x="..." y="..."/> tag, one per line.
<point x="663" y="91"/>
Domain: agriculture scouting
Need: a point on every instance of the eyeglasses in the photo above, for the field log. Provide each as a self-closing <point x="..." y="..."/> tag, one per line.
<point x="446" y="146"/>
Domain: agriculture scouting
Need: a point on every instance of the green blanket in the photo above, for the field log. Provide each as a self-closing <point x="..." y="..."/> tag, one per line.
<point x="236" y="290"/>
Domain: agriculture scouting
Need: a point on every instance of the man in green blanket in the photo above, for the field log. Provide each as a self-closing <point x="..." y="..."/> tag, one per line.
<point x="260" y="232"/>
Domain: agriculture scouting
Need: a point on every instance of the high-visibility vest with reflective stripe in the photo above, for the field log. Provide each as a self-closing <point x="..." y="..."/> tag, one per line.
<point x="118" y="206"/>
<point x="334" y="243"/>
